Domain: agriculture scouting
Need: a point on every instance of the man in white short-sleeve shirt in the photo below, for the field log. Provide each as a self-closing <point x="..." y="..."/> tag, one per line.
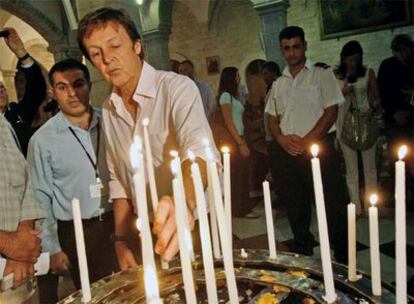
<point x="302" y="109"/>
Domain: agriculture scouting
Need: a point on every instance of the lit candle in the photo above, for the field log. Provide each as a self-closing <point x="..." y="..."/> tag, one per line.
<point x="151" y="175"/>
<point x="269" y="221"/>
<point x="330" y="295"/>
<point x="227" y="191"/>
<point x="183" y="233"/>
<point x="213" y="217"/>
<point x="374" y="246"/>
<point x="177" y="164"/>
<point x="204" y="232"/>
<point x="352" y="274"/>
<point x="224" y="237"/>
<point x="400" y="229"/>
<point x="80" y="248"/>
<point x="137" y="164"/>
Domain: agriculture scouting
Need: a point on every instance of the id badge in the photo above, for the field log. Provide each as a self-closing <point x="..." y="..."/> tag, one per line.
<point x="98" y="190"/>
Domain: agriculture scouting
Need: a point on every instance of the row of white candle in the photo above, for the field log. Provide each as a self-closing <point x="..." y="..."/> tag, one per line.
<point x="225" y="229"/>
<point x="400" y="237"/>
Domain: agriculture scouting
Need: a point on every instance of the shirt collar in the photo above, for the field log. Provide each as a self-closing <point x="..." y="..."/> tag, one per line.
<point x="146" y="85"/>
<point x="62" y="123"/>
<point x="308" y="66"/>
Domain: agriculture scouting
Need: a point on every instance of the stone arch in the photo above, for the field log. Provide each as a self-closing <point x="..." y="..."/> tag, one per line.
<point x="28" y="12"/>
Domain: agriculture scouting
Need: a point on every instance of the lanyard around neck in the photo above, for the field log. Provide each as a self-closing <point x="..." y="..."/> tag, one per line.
<point x="94" y="164"/>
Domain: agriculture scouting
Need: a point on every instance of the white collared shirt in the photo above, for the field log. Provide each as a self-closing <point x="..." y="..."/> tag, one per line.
<point x="177" y="121"/>
<point x="300" y="102"/>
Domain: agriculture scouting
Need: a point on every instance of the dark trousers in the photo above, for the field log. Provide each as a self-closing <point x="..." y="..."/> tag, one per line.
<point x="100" y="250"/>
<point x="239" y="170"/>
<point x="294" y="186"/>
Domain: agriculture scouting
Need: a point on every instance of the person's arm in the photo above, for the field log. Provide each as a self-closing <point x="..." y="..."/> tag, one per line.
<point x="322" y="126"/>
<point x="40" y="171"/>
<point x="123" y="211"/>
<point x="35" y="88"/>
<point x="373" y="92"/>
<point x="191" y="127"/>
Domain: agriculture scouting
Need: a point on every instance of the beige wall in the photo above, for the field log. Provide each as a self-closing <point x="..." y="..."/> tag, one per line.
<point x="236" y="41"/>
<point x="376" y="45"/>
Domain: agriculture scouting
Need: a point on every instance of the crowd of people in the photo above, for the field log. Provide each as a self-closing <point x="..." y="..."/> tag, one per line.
<point x="83" y="151"/>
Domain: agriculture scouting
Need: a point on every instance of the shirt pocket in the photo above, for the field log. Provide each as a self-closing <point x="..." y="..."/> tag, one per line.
<point x="308" y="94"/>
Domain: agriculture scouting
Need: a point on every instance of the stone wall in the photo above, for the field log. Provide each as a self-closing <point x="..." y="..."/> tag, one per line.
<point x="235" y="38"/>
<point x="376" y="45"/>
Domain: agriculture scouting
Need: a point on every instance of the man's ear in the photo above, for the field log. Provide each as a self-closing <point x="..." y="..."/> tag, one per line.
<point x="138" y="47"/>
<point x="306" y="45"/>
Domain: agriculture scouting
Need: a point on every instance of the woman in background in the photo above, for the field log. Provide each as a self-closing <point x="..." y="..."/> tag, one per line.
<point x="359" y="86"/>
<point x="232" y="110"/>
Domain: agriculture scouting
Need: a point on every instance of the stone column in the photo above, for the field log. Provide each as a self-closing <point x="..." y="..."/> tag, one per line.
<point x="8" y="80"/>
<point x="273" y="16"/>
<point x="156" y="50"/>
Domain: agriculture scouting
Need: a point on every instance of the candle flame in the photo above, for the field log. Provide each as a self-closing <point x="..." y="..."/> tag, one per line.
<point x="315" y="150"/>
<point x="145" y="122"/>
<point x="191" y="155"/>
<point x="173" y="153"/>
<point x="225" y="149"/>
<point x="373" y="199"/>
<point x="138" y="223"/>
<point x="402" y="152"/>
<point x="134" y="153"/>
<point x="206" y="142"/>
<point x="151" y="284"/>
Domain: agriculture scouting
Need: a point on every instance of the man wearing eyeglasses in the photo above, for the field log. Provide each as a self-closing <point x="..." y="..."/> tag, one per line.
<point x="67" y="160"/>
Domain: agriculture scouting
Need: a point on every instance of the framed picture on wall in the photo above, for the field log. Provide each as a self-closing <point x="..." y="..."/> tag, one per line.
<point x="213" y="65"/>
<point x="342" y="18"/>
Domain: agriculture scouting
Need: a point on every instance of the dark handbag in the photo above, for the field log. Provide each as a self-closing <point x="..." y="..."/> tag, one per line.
<point x="360" y="131"/>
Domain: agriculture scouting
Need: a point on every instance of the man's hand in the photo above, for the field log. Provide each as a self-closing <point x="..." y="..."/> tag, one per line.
<point x="23" y="245"/>
<point x="59" y="263"/>
<point x="244" y="150"/>
<point x="292" y="144"/>
<point x="401" y="118"/>
<point x="166" y="229"/>
<point x="22" y="271"/>
<point x="125" y="256"/>
<point x="14" y="42"/>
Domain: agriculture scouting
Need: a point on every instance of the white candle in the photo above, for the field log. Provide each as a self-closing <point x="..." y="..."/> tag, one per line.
<point x="179" y="173"/>
<point x="374" y="247"/>
<point x="137" y="163"/>
<point x="227" y="191"/>
<point x="80" y="248"/>
<point x="224" y="237"/>
<point x="352" y="274"/>
<point x="183" y="232"/>
<point x="204" y="232"/>
<point x="151" y="175"/>
<point x="269" y="221"/>
<point x="400" y="229"/>
<point x="330" y="295"/>
<point x="213" y="217"/>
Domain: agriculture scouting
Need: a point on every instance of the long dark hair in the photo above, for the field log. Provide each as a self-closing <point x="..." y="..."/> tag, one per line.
<point x="349" y="49"/>
<point x="228" y="82"/>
